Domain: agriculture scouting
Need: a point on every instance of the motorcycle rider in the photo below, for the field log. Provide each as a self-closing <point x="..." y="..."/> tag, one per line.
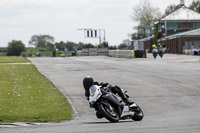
<point x="154" y="47"/>
<point x="160" y="50"/>
<point x="154" y="51"/>
<point x="89" y="81"/>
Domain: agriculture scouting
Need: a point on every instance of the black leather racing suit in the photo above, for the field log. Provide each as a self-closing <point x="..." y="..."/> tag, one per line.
<point x="114" y="89"/>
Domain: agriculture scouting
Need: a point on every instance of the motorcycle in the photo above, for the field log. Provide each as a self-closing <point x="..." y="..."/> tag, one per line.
<point x="155" y="52"/>
<point x="160" y="54"/>
<point x="111" y="106"/>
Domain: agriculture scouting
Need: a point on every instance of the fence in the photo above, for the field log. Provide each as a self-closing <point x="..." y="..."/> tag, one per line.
<point x="113" y="53"/>
<point x="122" y="53"/>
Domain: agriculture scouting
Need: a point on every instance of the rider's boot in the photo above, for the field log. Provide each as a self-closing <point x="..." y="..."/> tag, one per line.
<point x="122" y="95"/>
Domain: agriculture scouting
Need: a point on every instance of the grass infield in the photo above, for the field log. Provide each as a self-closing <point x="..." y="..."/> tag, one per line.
<point x="12" y="59"/>
<point x="27" y="96"/>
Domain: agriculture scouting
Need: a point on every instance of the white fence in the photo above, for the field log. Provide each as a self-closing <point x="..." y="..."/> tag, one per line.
<point x="112" y="53"/>
<point x="122" y="53"/>
<point x="93" y="52"/>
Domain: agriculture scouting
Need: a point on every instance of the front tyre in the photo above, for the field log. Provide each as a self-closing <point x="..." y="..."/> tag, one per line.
<point x="112" y="116"/>
<point x="138" y="115"/>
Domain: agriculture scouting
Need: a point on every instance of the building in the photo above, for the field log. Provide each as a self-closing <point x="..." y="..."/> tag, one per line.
<point x="183" y="42"/>
<point x="183" y="19"/>
<point x="142" y="32"/>
<point x="179" y="31"/>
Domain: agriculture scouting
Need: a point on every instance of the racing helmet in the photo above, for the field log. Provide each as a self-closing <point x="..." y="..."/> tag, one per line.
<point x="88" y="82"/>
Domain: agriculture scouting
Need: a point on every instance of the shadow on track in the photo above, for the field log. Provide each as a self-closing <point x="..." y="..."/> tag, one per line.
<point x="106" y="122"/>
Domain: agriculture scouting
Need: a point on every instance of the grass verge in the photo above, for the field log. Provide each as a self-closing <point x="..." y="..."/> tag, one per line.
<point x="27" y="96"/>
<point x="11" y="59"/>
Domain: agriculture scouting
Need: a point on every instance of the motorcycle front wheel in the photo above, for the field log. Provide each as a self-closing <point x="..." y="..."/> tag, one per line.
<point x="109" y="114"/>
<point x="138" y="115"/>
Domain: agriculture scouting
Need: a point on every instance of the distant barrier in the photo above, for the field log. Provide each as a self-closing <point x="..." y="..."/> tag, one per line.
<point x="122" y="53"/>
<point x="112" y="53"/>
<point x="128" y="54"/>
<point x="93" y="52"/>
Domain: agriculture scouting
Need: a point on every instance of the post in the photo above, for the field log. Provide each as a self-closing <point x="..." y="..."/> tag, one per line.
<point x="165" y="27"/>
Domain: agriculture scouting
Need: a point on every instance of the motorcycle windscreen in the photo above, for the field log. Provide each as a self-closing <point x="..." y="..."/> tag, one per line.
<point x="93" y="89"/>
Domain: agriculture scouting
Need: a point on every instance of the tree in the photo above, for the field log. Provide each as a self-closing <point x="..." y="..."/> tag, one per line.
<point x="71" y="46"/>
<point x="54" y="52"/>
<point x="80" y="45"/>
<point x="41" y="40"/>
<point x="195" y="6"/>
<point x="122" y="46"/>
<point x="112" y="47"/>
<point x="60" y="45"/>
<point x="170" y="9"/>
<point x="50" y="47"/>
<point x="145" y="13"/>
<point x="15" y="48"/>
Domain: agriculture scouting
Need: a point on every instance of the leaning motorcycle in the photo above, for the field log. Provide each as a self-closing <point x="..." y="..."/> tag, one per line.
<point x="111" y="106"/>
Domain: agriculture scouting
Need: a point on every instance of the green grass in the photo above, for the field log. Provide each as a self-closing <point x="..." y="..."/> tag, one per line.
<point x="27" y="96"/>
<point x="12" y="59"/>
<point x="33" y="53"/>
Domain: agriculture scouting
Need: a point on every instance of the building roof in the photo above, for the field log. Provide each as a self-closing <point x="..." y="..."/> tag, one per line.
<point x="191" y="33"/>
<point x="142" y="26"/>
<point x="182" y="13"/>
<point x="146" y="39"/>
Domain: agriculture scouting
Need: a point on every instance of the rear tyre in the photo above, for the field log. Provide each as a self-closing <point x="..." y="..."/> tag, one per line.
<point x="138" y="116"/>
<point x="112" y="116"/>
<point x="154" y="55"/>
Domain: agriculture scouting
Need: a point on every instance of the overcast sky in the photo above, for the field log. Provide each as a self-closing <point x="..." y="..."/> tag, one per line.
<point x="20" y="19"/>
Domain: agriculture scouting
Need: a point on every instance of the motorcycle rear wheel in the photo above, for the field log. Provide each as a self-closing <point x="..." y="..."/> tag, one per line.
<point x="112" y="116"/>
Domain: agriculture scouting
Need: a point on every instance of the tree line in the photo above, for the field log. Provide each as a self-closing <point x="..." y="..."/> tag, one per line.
<point x="46" y="43"/>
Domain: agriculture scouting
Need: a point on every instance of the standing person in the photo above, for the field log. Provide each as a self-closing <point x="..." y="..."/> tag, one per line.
<point x="160" y="50"/>
<point x="154" y="51"/>
<point x="164" y="49"/>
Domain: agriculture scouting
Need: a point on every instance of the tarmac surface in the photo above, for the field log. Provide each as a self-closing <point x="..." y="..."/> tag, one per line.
<point x="167" y="90"/>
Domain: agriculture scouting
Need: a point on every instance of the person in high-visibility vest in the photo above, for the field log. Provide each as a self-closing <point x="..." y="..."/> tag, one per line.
<point x="154" y="46"/>
<point x="154" y="51"/>
<point x="160" y="50"/>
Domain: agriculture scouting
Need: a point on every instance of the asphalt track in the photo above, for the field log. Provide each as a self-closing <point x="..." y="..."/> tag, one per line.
<point x="167" y="90"/>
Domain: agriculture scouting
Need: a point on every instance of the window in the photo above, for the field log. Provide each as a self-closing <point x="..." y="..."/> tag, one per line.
<point x="179" y="26"/>
<point x="148" y="30"/>
<point x="171" y="26"/>
<point x="159" y="28"/>
<point x="195" y="25"/>
<point x="141" y="31"/>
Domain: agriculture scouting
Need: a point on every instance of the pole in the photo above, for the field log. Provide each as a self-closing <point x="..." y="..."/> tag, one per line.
<point x="104" y="35"/>
<point x="165" y="27"/>
<point x="99" y="37"/>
